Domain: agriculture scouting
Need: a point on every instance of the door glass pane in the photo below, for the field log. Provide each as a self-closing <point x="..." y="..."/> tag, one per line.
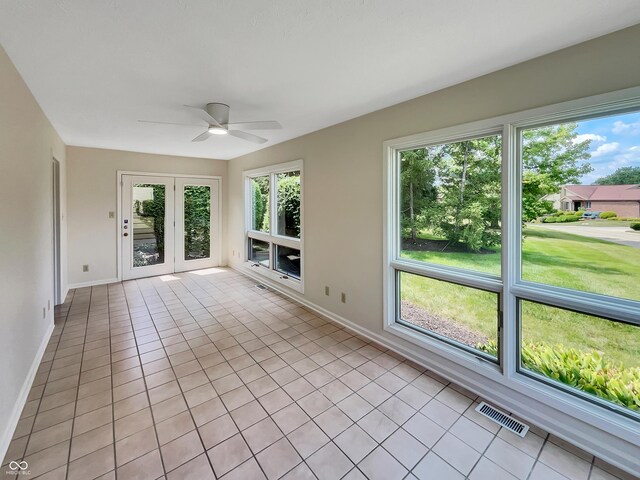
<point x="197" y="222"/>
<point x="288" y="204"/>
<point x="260" y="204"/>
<point x="581" y="205"/>
<point x="450" y="205"/>
<point x="288" y="261"/>
<point x="259" y="252"/>
<point x="465" y="315"/>
<point x="591" y="354"/>
<point x="148" y="224"/>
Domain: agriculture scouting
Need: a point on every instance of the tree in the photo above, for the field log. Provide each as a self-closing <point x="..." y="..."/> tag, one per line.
<point x="622" y="176"/>
<point x="550" y="158"/>
<point x="155" y="208"/>
<point x="197" y="221"/>
<point x="467" y="209"/>
<point x="417" y="177"/>
<point x="258" y="206"/>
<point x="260" y="188"/>
<point x="289" y="204"/>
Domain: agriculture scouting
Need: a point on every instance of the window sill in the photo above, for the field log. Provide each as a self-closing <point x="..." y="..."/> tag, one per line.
<point x="289" y="282"/>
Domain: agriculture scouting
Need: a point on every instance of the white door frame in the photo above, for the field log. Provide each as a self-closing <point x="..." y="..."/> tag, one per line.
<point x="129" y="271"/>
<point x="119" y="213"/>
<point x="55" y="231"/>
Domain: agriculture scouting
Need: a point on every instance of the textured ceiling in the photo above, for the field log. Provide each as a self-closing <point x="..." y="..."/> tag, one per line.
<point x="96" y="67"/>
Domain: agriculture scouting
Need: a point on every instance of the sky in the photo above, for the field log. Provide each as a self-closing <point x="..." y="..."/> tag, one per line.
<point x="615" y="143"/>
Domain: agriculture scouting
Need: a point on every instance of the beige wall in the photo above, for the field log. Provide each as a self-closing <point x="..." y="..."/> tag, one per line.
<point x="92" y="194"/>
<point x="343" y="164"/>
<point x="343" y="175"/>
<point x="27" y="144"/>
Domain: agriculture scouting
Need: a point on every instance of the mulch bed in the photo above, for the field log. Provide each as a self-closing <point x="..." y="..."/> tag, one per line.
<point x="441" y="326"/>
<point x="422" y="244"/>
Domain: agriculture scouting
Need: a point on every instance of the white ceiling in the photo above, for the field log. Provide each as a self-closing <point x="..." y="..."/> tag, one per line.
<point x="96" y="67"/>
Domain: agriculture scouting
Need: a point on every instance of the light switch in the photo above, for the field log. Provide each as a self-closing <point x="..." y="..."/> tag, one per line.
<point x="112" y="215"/>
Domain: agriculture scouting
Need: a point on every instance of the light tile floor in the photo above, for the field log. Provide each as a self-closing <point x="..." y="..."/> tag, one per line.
<point x="202" y="375"/>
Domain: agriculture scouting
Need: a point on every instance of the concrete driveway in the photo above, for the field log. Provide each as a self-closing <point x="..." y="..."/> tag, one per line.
<point x="621" y="235"/>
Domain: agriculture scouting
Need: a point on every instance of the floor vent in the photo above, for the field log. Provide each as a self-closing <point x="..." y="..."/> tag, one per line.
<point x="503" y="419"/>
<point x="261" y="286"/>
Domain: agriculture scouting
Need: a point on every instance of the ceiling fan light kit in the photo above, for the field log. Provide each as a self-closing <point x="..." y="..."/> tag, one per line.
<point x="218" y="130"/>
<point x="217" y="117"/>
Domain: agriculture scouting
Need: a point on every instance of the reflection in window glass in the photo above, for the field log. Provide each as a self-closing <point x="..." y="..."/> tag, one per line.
<point x="450" y="208"/>
<point x="288" y="261"/>
<point x="588" y="353"/>
<point x="580" y="199"/>
<point x="148" y="224"/>
<point x="463" y="314"/>
<point x="260" y="203"/>
<point x="288" y="203"/>
<point x="197" y="222"/>
<point x="259" y="252"/>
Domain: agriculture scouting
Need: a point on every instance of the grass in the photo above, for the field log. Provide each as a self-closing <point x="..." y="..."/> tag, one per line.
<point x="551" y="257"/>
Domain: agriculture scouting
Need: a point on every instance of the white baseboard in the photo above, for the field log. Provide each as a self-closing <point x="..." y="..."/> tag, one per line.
<point x="65" y="292"/>
<point x="20" y="402"/>
<point x="92" y="283"/>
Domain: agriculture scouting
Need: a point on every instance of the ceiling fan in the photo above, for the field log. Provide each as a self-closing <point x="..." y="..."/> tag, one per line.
<point x="217" y="117"/>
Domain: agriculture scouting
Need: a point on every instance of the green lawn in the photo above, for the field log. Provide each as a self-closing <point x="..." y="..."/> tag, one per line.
<point x="551" y="257"/>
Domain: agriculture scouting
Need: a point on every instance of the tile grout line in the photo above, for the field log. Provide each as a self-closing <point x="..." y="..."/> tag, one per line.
<point x="253" y="455"/>
<point x="194" y="306"/>
<point x="311" y="419"/>
<point x="75" y="407"/>
<point x="146" y="388"/>
<point x="179" y="386"/>
<point x="113" y="402"/>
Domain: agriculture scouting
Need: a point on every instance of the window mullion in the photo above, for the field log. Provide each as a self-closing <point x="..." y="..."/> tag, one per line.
<point x="511" y="244"/>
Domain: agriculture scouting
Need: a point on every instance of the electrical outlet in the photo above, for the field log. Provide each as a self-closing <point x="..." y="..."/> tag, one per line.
<point x="343" y="297"/>
<point x="85" y="268"/>
<point x="326" y="291"/>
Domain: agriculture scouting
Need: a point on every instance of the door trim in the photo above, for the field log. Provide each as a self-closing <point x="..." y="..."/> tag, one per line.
<point x="56" y="233"/>
<point x="120" y="173"/>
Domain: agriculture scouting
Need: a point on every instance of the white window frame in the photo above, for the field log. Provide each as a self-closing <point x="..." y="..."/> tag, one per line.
<point x="272" y="237"/>
<point x="583" y="412"/>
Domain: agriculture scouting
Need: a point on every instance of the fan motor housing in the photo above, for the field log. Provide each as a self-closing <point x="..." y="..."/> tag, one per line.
<point x="219" y="111"/>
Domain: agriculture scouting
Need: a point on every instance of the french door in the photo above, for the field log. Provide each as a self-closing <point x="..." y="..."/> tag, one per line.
<point x="168" y="224"/>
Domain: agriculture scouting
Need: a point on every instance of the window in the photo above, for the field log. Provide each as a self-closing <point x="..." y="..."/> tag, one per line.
<point x="449" y="215"/>
<point x="492" y="254"/>
<point x="274" y="222"/>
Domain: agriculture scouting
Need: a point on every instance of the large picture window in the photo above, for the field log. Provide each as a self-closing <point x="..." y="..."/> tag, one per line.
<point x="274" y="222"/>
<point x="517" y="240"/>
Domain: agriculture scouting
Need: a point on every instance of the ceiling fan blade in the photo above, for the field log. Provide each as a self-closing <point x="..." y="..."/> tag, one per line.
<point x="202" y="137"/>
<point x="247" y="136"/>
<point x="205" y="116"/>
<point x="267" y="125"/>
<point x="171" y="123"/>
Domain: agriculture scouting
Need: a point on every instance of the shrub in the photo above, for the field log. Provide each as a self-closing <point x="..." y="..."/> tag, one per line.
<point x="605" y="215"/>
<point x="550" y="220"/>
<point x="579" y="213"/>
<point x="588" y="371"/>
<point x="635" y="226"/>
<point x="567" y="218"/>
